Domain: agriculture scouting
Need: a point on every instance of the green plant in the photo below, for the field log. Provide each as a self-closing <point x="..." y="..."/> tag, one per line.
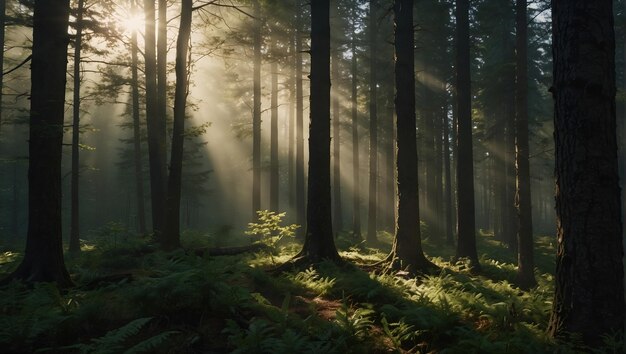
<point x="269" y="229"/>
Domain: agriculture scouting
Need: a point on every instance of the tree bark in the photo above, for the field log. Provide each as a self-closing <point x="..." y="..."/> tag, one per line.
<point x="274" y="136"/>
<point x="337" y="208"/>
<point x="373" y="108"/>
<point x="74" y="246"/>
<point x="319" y="242"/>
<point x="525" y="261"/>
<point x="156" y="132"/>
<point x="448" y="182"/>
<point x="141" y="213"/>
<point x="292" y="124"/>
<point x="589" y="294"/>
<point x="300" y="182"/>
<point x="172" y="222"/>
<point x="407" y="245"/>
<point x="256" y="112"/>
<point x="43" y="257"/>
<point x="3" y="6"/>
<point x="466" y="237"/>
<point x="356" y="194"/>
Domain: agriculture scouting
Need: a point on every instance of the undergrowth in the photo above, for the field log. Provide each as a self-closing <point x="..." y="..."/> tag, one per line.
<point x="131" y="298"/>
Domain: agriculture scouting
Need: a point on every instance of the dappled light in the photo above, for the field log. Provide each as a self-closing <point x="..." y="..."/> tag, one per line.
<point x="350" y="176"/>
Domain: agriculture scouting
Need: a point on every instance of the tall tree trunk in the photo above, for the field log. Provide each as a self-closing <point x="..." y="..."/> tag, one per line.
<point x="300" y="182"/>
<point x="43" y="257"/>
<point x="3" y="5"/>
<point x="448" y="181"/>
<point x="407" y="245"/>
<point x="292" y="124"/>
<point x="373" y="107"/>
<point x="274" y="136"/>
<point x="466" y="238"/>
<point x="141" y="213"/>
<point x="172" y="222"/>
<point x="156" y="133"/>
<point x="74" y="246"/>
<point x="356" y="182"/>
<point x="319" y="242"/>
<point x="256" y="112"/>
<point x="589" y="294"/>
<point x="337" y="209"/>
<point x="525" y="261"/>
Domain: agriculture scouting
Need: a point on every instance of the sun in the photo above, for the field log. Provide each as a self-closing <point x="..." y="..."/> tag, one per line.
<point x="132" y="23"/>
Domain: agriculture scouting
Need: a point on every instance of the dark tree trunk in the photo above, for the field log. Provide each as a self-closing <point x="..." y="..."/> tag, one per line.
<point x="172" y="223"/>
<point x="373" y="108"/>
<point x="141" y="213"/>
<point x="589" y="294"/>
<point x="319" y="242"/>
<point x="466" y="237"/>
<point x="525" y="261"/>
<point x="43" y="257"/>
<point x="448" y="182"/>
<point x="274" y="137"/>
<point x="356" y="193"/>
<point x="292" y="125"/>
<point x="337" y="209"/>
<point x="156" y="132"/>
<point x="3" y="5"/>
<point x="407" y="244"/>
<point x="74" y="246"/>
<point x="256" y="112"/>
<point x="300" y="182"/>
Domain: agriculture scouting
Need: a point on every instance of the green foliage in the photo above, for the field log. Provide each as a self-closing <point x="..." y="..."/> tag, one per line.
<point x="134" y="299"/>
<point x="269" y="228"/>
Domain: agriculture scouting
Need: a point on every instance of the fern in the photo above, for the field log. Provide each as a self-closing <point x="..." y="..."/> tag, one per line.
<point x="150" y="344"/>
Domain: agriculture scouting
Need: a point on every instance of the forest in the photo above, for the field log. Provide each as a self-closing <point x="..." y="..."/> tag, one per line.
<point x="321" y="176"/>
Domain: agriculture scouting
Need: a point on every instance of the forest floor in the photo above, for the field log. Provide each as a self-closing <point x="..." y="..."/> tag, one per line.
<point x="130" y="298"/>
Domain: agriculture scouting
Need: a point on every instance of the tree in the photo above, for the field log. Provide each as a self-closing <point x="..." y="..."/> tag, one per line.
<point x="589" y="294"/>
<point x="525" y="263"/>
<point x="407" y="245"/>
<point x="300" y="181"/>
<point x="319" y="242"/>
<point x="373" y="107"/>
<point x="274" y="175"/>
<point x="74" y="246"/>
<point x="356" y="195"/>
<point x="466" y="233"/>
<point x="137" y="158"/>
<point x="171" y="239"/>
<point x="256" y="111"/>
<point x="43" y="257"/>
<point x="156" y="128"/>
<point x="337" y="207"/>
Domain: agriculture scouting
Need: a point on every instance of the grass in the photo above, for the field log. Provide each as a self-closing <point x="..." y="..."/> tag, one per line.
<point x="132" y="299"/>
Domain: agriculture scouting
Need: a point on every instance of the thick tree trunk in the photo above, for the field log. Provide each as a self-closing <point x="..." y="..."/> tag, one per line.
<point x="74" y="246"/>
<point x="274" y="136"/>
<point x="156" y="132"/>
<point x="356" y="182"/>
<point x="141" y="213"/>
<point x="3" y="5"/>
<point x="300" y="182"/>
<point x="43" y="257"/>
<point x="319" y="242"/>
<point x="525" y="261"/>
<point x="466" y="237"/>
<point x="256" y="112"/>
<point x="372" y="204"/>
<point x="589" y="294"/>
<point x="172" y="223"/>
<point x="407" y="244"/>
